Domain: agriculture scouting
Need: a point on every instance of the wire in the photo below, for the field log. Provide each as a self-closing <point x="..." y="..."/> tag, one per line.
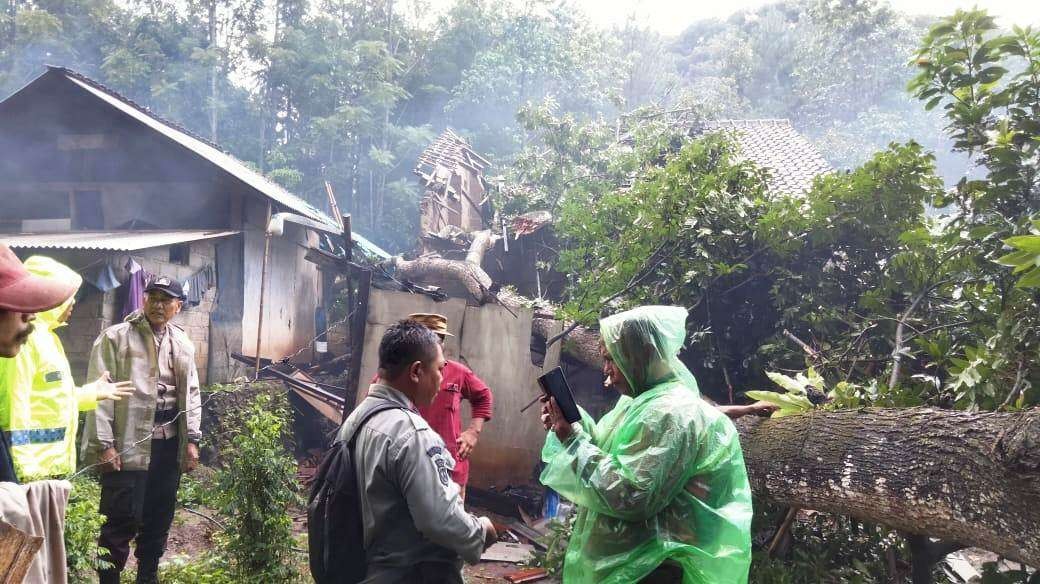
<point x="232" y="389"/>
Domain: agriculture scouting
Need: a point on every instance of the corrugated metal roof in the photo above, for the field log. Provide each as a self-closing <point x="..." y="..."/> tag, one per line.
<point x="109" y="240"/>
<point x="792" y="160"/>
<point x="365" y="244"/>
<point x="197" y="145"/>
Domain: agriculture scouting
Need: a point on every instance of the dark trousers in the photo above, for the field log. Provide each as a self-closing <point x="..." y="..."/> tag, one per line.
<point x="139" y="504"/>
<point x="421" y="573"/>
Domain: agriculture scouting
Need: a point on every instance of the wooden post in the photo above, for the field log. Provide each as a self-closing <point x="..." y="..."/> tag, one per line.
<point x="348" y="238"/>
<point x="263" y="287"/>
<point x="357" y="340"/>
<point x="17" y="552"/>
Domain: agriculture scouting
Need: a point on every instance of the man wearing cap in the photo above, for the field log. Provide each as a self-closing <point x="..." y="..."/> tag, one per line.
<point x="444" y="416"/>
<point x="143" y="443"/>
<point x="22" y="295"/>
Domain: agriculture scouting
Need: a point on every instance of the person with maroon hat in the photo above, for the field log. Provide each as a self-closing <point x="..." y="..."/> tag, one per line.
<point x="22" y="295"/>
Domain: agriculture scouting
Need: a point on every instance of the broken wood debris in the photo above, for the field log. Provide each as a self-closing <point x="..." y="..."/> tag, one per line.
<point x="528" y="575"/>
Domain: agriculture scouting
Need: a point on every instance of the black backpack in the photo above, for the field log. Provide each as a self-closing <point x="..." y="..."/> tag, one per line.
<point x="336" y="539"/>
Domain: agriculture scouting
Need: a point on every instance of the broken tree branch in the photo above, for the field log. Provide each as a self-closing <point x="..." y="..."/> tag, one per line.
<point x="897" y="350"/>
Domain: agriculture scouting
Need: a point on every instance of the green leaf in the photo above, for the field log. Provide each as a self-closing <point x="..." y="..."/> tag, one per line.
<point x="991" y="74"/>
<point x="1030" y="280"/>
<point x="1029" y="243"/>
<point x="788" y="404"/>
<point x="790" y="384"/>
<point x="1020" y="260"/>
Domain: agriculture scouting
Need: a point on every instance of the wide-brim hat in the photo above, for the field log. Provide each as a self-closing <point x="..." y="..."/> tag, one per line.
<point x="21" y="291"/>
<point x="437" y="323"/>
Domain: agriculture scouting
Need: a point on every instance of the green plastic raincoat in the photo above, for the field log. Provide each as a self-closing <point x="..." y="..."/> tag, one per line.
<point x="661" y="476"/>
<point x="39" y="403"/>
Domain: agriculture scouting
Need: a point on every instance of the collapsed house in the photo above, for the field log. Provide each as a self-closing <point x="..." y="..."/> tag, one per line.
<point x="117" y="192"/>
<point x="467" y="254"/>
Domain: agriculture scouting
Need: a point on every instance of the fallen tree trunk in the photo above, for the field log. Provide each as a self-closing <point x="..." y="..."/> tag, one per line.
<point x="581" y="343"/>
<point x="957" y="476"/>
<point x="466" y="279"/>
<point x="457" y="278"/>
<point x="482" y="242"/>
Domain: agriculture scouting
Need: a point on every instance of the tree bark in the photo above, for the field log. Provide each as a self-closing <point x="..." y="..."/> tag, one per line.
<point x="957" y="476"/>
<point x="581" y="343"/>
<point x="482" y="242"/>
<point x="460" y="279"/>
<point x="466" y="279"/>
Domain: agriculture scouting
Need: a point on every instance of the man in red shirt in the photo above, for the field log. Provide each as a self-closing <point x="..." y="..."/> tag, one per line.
<point x="445" y="416"/>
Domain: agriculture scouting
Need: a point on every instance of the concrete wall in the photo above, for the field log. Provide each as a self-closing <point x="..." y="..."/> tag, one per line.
<point x="496" y="345"/>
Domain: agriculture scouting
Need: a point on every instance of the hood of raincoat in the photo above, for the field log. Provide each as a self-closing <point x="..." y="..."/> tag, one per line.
<point x="645" y="342"/>
<point x="48" y="268"/>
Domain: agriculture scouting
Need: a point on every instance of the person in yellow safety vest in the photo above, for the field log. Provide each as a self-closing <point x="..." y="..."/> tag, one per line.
<point x="39" y="402"/>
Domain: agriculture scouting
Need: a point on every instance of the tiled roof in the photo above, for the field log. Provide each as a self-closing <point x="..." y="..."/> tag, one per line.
<point x="775" y="145"/>
<point x="196" y="144"/>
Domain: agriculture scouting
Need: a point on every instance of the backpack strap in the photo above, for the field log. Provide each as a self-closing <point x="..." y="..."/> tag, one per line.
<point x="352" y="438"/>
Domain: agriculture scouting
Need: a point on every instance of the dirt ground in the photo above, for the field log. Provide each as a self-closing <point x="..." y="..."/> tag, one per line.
<point x="192" y="534"/>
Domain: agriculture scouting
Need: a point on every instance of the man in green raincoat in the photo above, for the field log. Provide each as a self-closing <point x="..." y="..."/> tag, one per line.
<point x="39" y="402"/>
<point x="659" y="482"/>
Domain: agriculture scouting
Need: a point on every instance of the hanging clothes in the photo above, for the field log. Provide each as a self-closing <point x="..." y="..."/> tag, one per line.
<point x="196" y="286"/>
<point x="103" y="277"/>
<point x="135" y="289"/>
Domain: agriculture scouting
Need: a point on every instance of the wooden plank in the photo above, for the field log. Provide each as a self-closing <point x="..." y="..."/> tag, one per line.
<point x="17" y="552"/>
<point x="357" y="338"/>
<point x="528" y="575"/>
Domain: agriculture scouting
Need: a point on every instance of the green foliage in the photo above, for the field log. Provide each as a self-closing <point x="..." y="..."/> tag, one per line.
<point x="1026" y="260"/>
<point x="782" y="60"/>
<point x="82" y="527"/>
<point x="557" y="537"/>
<point x="900" y="308"/>
<point x="210" y="568"/>
<point x="254" y="492"/>
<point x="196" y="491"/>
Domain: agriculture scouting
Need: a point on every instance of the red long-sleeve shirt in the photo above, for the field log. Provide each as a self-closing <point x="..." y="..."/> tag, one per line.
<point x="444" y="413"/>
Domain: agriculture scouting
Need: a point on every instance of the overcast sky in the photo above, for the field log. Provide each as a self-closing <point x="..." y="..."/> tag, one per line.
<point x="672" y="16"/>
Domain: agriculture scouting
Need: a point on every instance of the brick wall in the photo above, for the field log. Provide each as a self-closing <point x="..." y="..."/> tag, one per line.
<point x="98" y="310"/>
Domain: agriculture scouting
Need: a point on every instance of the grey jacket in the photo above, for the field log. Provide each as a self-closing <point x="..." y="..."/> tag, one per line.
<point x="127" y="351"/>
<point x="410" y="507"/>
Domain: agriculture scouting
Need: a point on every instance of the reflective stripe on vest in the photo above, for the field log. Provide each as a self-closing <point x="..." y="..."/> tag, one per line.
<point x="36" y="436"/>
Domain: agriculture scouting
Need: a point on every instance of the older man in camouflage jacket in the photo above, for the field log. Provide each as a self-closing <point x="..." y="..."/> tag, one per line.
<point x="144" y="443"/>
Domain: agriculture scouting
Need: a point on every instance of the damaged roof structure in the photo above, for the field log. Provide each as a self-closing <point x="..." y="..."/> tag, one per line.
<point x="455" y="195"/>
<point x="471" y="256"/>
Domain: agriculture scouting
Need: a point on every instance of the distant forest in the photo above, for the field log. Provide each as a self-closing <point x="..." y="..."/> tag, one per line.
<point x="350" y="91"/>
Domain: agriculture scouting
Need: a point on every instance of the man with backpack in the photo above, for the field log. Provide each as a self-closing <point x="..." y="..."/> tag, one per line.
<point x="387" y="481"/>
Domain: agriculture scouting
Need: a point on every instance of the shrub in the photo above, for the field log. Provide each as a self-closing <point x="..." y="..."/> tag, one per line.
<point x="255" y="490"/>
